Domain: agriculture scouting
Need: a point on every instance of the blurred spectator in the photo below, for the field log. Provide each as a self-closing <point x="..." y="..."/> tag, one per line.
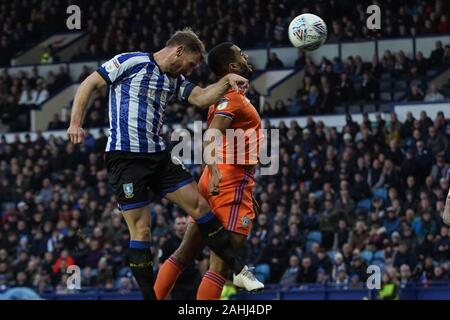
<point x="433" y="95"/>
<point x="390" y="286"/>
<point x="186" y="286"/>
<point x="274" y="62"/>
<point x="307" y="273"/>
<point x="437" y="54"/>
<point x="47" y="56"/>
<point x="56" y="123"/>
<point x="289" y="278"/>
<point x="415" y="94"/>
<point x="369" y="88"/>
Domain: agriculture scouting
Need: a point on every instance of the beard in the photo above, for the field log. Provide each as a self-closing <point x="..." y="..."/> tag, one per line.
<point x="245" y="70"/>
<point x="175" y="69"/>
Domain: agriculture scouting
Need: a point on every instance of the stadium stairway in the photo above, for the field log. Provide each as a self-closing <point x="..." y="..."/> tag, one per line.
<point x="63" y="44"/>
<point x="278" y="84"/>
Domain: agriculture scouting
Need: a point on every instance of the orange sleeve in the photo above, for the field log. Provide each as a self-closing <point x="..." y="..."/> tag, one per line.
<point x="228" y="106"/>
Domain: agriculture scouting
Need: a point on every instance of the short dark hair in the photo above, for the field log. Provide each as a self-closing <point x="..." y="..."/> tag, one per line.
<point x="220" y="57"/>
<point x="188" y="39"/>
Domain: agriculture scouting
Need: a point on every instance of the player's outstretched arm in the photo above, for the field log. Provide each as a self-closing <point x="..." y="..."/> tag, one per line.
<point x="204" y="97"/>
<point x="75" y="132"/>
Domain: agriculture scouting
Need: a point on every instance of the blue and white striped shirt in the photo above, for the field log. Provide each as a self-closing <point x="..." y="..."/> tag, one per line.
<point x="138" y="95"/>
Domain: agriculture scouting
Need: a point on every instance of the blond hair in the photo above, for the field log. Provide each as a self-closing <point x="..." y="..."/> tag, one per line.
<point x="188" y="39"/>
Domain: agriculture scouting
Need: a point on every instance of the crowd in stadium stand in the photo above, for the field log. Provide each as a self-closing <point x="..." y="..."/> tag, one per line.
<point x="326" y="84"/>
<point x="118" y="26"/>
<point x="23" y="92"/>
<point x="330" y="83"/>
<point x="369" y="194"/>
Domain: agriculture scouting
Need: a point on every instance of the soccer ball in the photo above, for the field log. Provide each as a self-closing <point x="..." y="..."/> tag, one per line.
<point x="307" y="32"/>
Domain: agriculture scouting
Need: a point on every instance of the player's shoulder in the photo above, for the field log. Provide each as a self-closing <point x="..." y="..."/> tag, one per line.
<point x="221" y="104"/>
<point x="132" y="57"/>
<point x="232" y="94"/>
<point x="230" y="102"/>
<point x="234" y="98"/>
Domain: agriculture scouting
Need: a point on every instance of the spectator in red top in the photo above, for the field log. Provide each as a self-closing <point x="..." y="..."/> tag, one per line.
<point x="443" y="25"/>
<point x="63" y="257"/>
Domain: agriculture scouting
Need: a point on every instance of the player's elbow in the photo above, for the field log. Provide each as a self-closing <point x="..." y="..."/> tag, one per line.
<point x="198" y="98"/>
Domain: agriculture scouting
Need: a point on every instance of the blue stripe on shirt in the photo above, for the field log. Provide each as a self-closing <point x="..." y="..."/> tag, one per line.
<point x="124" y="57"/>
<point x="124" y="109"/>
<point x="113" y="119"/>
<point x="157" y="113"/>
<point x="133" y="70"/>
<point x="142" y="109"/>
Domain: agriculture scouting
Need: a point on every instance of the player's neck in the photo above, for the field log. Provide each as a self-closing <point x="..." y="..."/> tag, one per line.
<point x="161" y="58"/>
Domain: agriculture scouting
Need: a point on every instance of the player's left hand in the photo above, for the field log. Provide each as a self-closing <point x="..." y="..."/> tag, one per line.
<point x="214" y="182"/>
<point x="237" y="82"/>
<point x="75" y="134"/>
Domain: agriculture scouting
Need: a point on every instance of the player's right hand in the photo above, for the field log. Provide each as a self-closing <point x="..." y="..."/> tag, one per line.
<point x="237" y="82"/>
<point x="75" y="134"/>
<point x="214" y="182"/>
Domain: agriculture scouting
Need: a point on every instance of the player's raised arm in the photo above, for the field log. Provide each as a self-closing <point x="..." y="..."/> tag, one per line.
<point x="204" y="97"/>
<point x="84" y="92"/>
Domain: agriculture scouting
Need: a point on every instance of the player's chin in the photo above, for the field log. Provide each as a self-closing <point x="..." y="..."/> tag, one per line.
<point x="246" y="71"/>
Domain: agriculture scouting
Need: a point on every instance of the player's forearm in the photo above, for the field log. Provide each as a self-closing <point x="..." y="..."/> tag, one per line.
<point x="213" y="92"/>
<point x="211" y="161"/>
<point x="80" y="103"/>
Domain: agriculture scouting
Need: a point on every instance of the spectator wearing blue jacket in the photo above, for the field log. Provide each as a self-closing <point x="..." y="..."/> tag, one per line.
<point x="392" y="222"/>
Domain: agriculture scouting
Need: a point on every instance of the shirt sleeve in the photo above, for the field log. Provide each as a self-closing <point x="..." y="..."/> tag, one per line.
<point x="227" y="106"/>
<point x="184" y="89"/>
<point x="121" y="66"/>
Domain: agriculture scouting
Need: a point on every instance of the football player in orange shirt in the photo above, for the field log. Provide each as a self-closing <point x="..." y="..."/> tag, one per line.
<point x="226" y="182"/>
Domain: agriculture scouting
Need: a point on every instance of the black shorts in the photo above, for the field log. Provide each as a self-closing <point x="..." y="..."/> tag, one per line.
<point x="138" y="179"/>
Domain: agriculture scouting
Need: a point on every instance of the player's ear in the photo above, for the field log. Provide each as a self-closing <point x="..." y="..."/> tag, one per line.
<point x="233" y="67"/>
<point x="179" y="51"/>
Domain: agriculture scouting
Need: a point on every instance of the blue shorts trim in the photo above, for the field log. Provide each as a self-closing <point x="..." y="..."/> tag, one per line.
<point x="135" y="205"/>
<point x="173" y="188"/>
<point x="207" y="217"/>
<point x="130" y="206"/>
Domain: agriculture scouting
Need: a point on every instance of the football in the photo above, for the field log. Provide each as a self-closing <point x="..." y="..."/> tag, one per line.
<point x="307" y="32"/>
